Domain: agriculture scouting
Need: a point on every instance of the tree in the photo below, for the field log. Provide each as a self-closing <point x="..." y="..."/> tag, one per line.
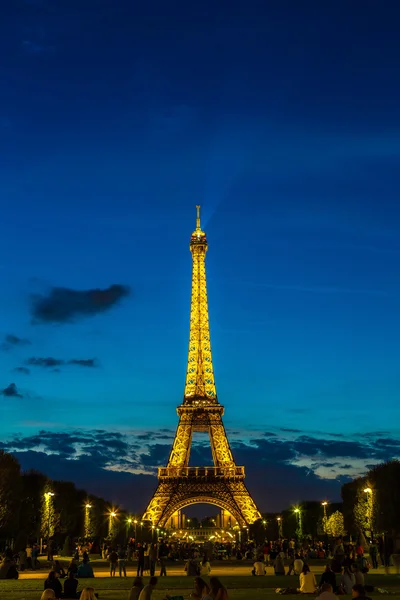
<point x="335" y="525"/>
<point x="385" y="497"/>
<point x="10" y="493"/>
<point x="33" y="486"/>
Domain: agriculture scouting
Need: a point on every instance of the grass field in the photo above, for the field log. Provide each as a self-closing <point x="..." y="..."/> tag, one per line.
<point x="239" y="587"/>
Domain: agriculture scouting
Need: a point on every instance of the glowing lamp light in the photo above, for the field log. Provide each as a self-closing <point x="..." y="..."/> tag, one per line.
<point x="368" y="490"/>
<point x="264" y="522"/>
<point x="49" y="494"/>
<point x="278" y="518"/>
<point x="113" y="514"/>
<point x="296" y="510"/>
<point x="324" y="503"/>
<point x="135" y="521"/>
<point x="129" y="520"/>
<point x="88" y="506"/>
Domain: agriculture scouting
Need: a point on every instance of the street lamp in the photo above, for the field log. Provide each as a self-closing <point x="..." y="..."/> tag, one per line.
<point x="88" y="506"/>
<point x="324" y="504"/>
<point x="48" y="496"/>
<point x="279" y="519"/>
<point x="369" y="509"/>
<point x="297" y="511"/>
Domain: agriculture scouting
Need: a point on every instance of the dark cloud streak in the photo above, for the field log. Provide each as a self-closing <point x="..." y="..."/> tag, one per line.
<point x="63" y="305"/>
<point x="11" y="391"/>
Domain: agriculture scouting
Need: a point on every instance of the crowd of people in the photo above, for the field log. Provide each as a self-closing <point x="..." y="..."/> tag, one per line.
<point x="345" y="572"/>
<point x="214" y="590"/>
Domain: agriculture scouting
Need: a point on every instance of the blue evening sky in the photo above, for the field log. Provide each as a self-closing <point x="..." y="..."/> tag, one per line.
<point x="281" y="118"/>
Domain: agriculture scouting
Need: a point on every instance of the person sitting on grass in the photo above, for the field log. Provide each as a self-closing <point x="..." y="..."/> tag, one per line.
<point x="72" y="567"/>
<point x="201" y="589"/>
<point x="347" y="581"/>
<point x="48" y="595"/>
<point x="328" y="577"/>
<point x="136" y="588"/>
<point x="279" y="565"/>
<point x="88" y="594"/>
<point x="147" y="591"/>
<point x="259" y="568"/>
<point x="308" y="583"/>
<point x="70" y="586"/>
<point x="295" y="565"/>
<point x="358" y="591"/>
<point x="358" y="575"/>
<point x="8" y="567"/>
<point x="53" y="583"/>
<point x="217" y="590"/>
<point x="326" y="592"/>
<point x="59" y="569"/>
<point x="85" y="569"/>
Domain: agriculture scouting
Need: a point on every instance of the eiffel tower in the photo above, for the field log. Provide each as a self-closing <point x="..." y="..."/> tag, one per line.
<point x="223" y="483"/>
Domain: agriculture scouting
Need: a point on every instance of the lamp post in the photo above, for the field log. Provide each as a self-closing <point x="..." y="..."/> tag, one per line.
<point x="135" y="522"/>
<point x="88" y="506"/>
<point x="297" y="511"/>
<point x="128" y="526"/>
<point x="48" y="497"/>
<point x="324" y="504"/>
<point x="369" y="512"/>
<point x="152" y="532"/>
<point x="113" y="514"/>
<point x="279" y="519"/>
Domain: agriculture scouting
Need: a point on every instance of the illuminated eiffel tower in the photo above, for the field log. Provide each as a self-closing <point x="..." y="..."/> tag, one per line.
<point x="223" y="483"/>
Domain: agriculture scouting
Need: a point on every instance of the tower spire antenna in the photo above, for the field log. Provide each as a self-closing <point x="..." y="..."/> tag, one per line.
<point x="198" y="226"/>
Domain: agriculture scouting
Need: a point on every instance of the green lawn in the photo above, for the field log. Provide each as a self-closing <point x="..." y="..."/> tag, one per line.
<point x="238" y="586"/>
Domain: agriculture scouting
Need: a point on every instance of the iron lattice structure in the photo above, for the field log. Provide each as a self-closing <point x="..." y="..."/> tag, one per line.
<point x="223" y="483"/>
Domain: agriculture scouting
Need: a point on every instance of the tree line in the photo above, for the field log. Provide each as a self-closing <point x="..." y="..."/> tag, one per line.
<point x="370" y="508"/>
<point x="32" y="506"/>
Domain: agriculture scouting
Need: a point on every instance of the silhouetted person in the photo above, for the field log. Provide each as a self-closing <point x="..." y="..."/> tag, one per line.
<point x="140" y="565"/>
<point x="70" y="586"/>
<point x="53" y="583"/>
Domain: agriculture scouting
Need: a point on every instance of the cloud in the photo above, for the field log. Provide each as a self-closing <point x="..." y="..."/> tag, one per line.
<point x="51" y="362"/>
<point x="84" y="362"/>
<point x="11" y="340"/>
<point x="11" y="391"/>
<point x="279" y="472"/>
<point x="62" y="305"/>
<point x="22" y="370"/>
<point x="44" y="362"/>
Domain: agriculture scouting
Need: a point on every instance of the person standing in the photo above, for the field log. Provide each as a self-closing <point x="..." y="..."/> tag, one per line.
<point x="122" y="561"/>
<point x="28" y="551"/>
<point x="373" y="552"/>
<point x="22" y="559"/>
<point x="162" y="557"/>
<point x="113" y="559"/>
<point x="140" y="565"/>
<point x="152" y="559"/>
